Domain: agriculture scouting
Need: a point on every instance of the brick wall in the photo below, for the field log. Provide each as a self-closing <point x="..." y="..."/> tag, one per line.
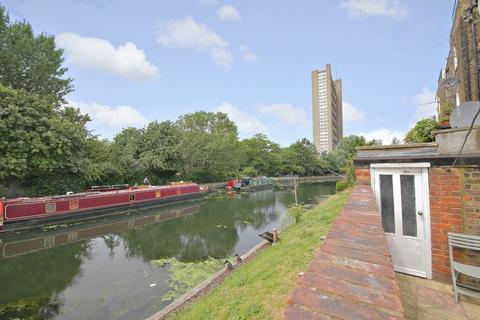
<point x="446" y="215"/>
<point x="362" y="175"/>
<point x="471" y="200"/>
<point x="455" y="207"/>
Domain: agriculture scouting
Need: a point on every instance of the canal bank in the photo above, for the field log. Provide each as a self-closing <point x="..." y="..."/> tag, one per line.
<point x="108" y="269"/>
<point x="284" y="181"/>
<point x="259" y="289"/>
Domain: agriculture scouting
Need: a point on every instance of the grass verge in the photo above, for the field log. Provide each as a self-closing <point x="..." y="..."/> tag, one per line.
<point x="259" y="289"/>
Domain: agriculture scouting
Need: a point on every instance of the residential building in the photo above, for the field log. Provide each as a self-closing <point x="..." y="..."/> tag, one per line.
<point x="326" y="110"/>
<point x="458" y="81"/>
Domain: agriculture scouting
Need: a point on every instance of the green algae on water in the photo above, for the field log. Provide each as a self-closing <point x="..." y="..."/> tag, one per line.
<point x="186" y="275"/>
<point x="29" y="309"/>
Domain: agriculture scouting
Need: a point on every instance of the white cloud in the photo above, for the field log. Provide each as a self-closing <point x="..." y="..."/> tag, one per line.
<point x="228" y="13"/>
<point x="351" y="113"/>
<point x="116" y="117"/>
<point x="247" y="55"/>
<point x="386" y="135"/>
<point x="126" y="60"/>
<point x="285" y="113"/>
<point x="188" y="34"/>
<point x="367" y="8"/>
<point x="246" y="123"/>
<point x="425" y="106"/>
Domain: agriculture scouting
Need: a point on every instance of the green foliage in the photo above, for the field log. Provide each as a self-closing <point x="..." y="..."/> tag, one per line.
<point x="29" y="309"/>
<point x="209" y="146"/>
<point x="300" y="158"/>
<point x="186" y="275"/>
<point x="342" y="185"/>
<point x="446" y="108"/>
<point x="422" y="132"/>
<point x="31" y="63"/>
<point x="249" y="172"/>
<point x="295" y="214"/>
<point x="341" y="159"/>
<point x="153" y="151"/>
<point x="261" y="154"/>
<point x="38" y="139"/>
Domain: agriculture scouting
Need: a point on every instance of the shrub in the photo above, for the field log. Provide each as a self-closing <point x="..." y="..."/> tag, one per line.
<point x="342" y="185"/>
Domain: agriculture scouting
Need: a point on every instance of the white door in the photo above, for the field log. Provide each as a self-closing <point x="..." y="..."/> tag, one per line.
<point x="402" y="198"/>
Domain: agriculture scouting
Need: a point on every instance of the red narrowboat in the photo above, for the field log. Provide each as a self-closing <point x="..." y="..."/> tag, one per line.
<point x="231" y="184"/>
<point x="21" y="213"/>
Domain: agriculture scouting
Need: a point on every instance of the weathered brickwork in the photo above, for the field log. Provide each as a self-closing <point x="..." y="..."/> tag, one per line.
<point x="461" y="64"/>
<point x="454" y="207"/>
<point x="362" y="175"/>
<point x="352" y="274"/>
<point x="471" y="200"/>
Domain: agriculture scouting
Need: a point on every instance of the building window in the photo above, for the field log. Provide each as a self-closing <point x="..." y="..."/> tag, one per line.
<point x="455" y="58"/>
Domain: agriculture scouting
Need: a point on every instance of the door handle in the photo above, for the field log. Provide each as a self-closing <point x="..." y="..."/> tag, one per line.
<point x="420" y="213"/>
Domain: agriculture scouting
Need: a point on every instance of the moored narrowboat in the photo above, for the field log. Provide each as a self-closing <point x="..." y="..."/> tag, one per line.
<point x="252" y="184"/>
<point x="20" y="213"/>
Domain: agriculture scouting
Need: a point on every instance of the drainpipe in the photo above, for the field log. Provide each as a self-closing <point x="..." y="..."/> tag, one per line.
<point x="475" y="53"/>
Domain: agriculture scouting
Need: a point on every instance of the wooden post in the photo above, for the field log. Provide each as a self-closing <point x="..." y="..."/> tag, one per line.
<point x="295" y="189"/>
<point x="275" y="235"/>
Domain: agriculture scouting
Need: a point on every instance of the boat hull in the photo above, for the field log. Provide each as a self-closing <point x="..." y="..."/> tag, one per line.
<point x="21" y="222"/>
<point x="255" y="188"/>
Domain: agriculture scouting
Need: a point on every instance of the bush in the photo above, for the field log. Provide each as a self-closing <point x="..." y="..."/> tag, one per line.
<point x="342" y="185"/>
<point x="294" y="214"/>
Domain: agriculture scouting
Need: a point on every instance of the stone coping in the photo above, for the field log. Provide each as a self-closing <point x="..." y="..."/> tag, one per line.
<point x="444" y="131"/>
<point x="398" y="146"/>
<point x="351" y="276"/>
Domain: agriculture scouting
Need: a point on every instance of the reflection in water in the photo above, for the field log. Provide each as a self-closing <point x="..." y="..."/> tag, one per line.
<point x="35" y="242"/>
<point x="102" y="269"/>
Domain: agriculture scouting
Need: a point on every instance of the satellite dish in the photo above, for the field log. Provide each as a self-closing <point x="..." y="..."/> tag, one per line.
<point x="462" y="115"/>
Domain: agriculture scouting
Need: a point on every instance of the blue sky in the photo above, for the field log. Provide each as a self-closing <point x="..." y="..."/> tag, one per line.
<point x="137" y="61"/>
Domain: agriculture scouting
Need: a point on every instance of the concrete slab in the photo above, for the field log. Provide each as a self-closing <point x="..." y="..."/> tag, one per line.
<point x="432" y="300"/>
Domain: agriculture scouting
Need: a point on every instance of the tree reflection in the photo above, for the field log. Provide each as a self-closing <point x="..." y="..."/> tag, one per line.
<point x="212" y="232"/>
<point x="30" y="283"/>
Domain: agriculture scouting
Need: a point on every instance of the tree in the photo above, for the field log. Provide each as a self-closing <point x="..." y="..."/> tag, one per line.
<point x="31" y="63"/>
<point x="159" y="150"/>
<point x="39" y="140"/>
<point x="126" y="154"/>
<point x="395" y="140"/>
<point x="210" y="148"/>
<point x="261" y="154"/>
<point x="341" y="159"/>
<point x="422" y="132"/>
<point x="300" y="158"/>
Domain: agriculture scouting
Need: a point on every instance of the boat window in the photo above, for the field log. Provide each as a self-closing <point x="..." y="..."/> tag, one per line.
<point x="51" y="207"/>
<point x="73" y="204"/>
<point x="131" y="197"/>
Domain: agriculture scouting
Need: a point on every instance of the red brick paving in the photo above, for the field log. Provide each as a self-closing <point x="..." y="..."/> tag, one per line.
<point x="352" y="274"/>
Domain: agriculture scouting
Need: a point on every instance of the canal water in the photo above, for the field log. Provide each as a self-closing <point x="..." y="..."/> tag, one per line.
<point x="131" y="266"/>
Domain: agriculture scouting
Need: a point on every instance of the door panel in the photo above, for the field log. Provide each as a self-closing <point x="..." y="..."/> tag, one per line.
<point x="399" y="195"/>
